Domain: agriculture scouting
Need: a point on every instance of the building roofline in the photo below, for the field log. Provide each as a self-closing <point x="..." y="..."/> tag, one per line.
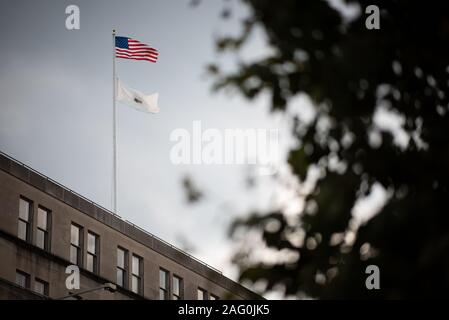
<point x="114" y="221"/>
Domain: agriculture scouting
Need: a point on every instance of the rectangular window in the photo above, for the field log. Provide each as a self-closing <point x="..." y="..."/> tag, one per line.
<point x="92" y="252"/>
<point x="22" y="279"/>
<point x="163" y="284"/>
<point x="43" y="228"/>
<point x="122" y="266"/>
<point x="25" y="214"/>
<point x="177" y="288"/>
<point x="137" y="271"/>
<point x="41" y="287"/>
<point x="76" y="240"/>
<point x="202" y="294"/>
<point x="213" y="297"/>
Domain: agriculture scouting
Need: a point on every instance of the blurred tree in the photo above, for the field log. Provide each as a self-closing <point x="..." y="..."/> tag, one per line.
<point x="193" y="194"/>
<point x="351" y="74"/>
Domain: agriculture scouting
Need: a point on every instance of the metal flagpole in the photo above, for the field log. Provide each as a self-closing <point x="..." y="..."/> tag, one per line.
<point x="114" y="129"/>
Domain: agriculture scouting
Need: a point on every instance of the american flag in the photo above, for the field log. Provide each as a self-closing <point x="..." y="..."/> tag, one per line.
<point x="129" y="48"/>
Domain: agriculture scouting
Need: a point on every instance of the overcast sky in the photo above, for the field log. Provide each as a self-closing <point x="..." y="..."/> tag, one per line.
<point x="56" y="112"/>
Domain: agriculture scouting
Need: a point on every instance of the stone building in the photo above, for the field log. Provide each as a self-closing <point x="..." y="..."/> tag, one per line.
<point x="45" y="227"/>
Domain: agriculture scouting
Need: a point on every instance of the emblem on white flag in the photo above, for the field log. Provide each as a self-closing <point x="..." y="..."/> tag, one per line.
<point x="137" y="99"/>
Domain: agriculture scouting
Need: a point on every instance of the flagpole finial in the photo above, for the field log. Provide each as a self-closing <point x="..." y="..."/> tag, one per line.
<point x="113" y="31"/>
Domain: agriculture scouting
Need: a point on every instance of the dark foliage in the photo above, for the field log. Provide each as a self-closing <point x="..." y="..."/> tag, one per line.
<point x="348" y="71"/>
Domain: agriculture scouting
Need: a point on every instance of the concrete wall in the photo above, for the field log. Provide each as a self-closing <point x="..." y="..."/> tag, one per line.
<point x="10" y="291"/>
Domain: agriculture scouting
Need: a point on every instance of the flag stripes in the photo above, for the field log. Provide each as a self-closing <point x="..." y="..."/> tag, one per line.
<point x="128" y="48"/>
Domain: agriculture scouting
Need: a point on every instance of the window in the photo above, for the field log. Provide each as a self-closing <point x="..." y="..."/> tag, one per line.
<point x="43" y="227"/>
<point x="92" y="252"/>
<point x="202" y="294"/>
<point x="177" y="288"/>
<point x="213" y="297"/>
<point x="25" y="213"/>
<point x="22" y="279"/>
<point x="163" y="284"/>
<point x="136" y="280"/>
<point x="122" y="265"/>
<point x="41" y="287"/>
<point x="76" y="245"/>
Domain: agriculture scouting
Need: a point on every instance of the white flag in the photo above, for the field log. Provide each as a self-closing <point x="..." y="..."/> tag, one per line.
<point x="136" y="99"/>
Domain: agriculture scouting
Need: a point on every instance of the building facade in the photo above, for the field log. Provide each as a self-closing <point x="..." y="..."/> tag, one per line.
<point x="45" y="227"/>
